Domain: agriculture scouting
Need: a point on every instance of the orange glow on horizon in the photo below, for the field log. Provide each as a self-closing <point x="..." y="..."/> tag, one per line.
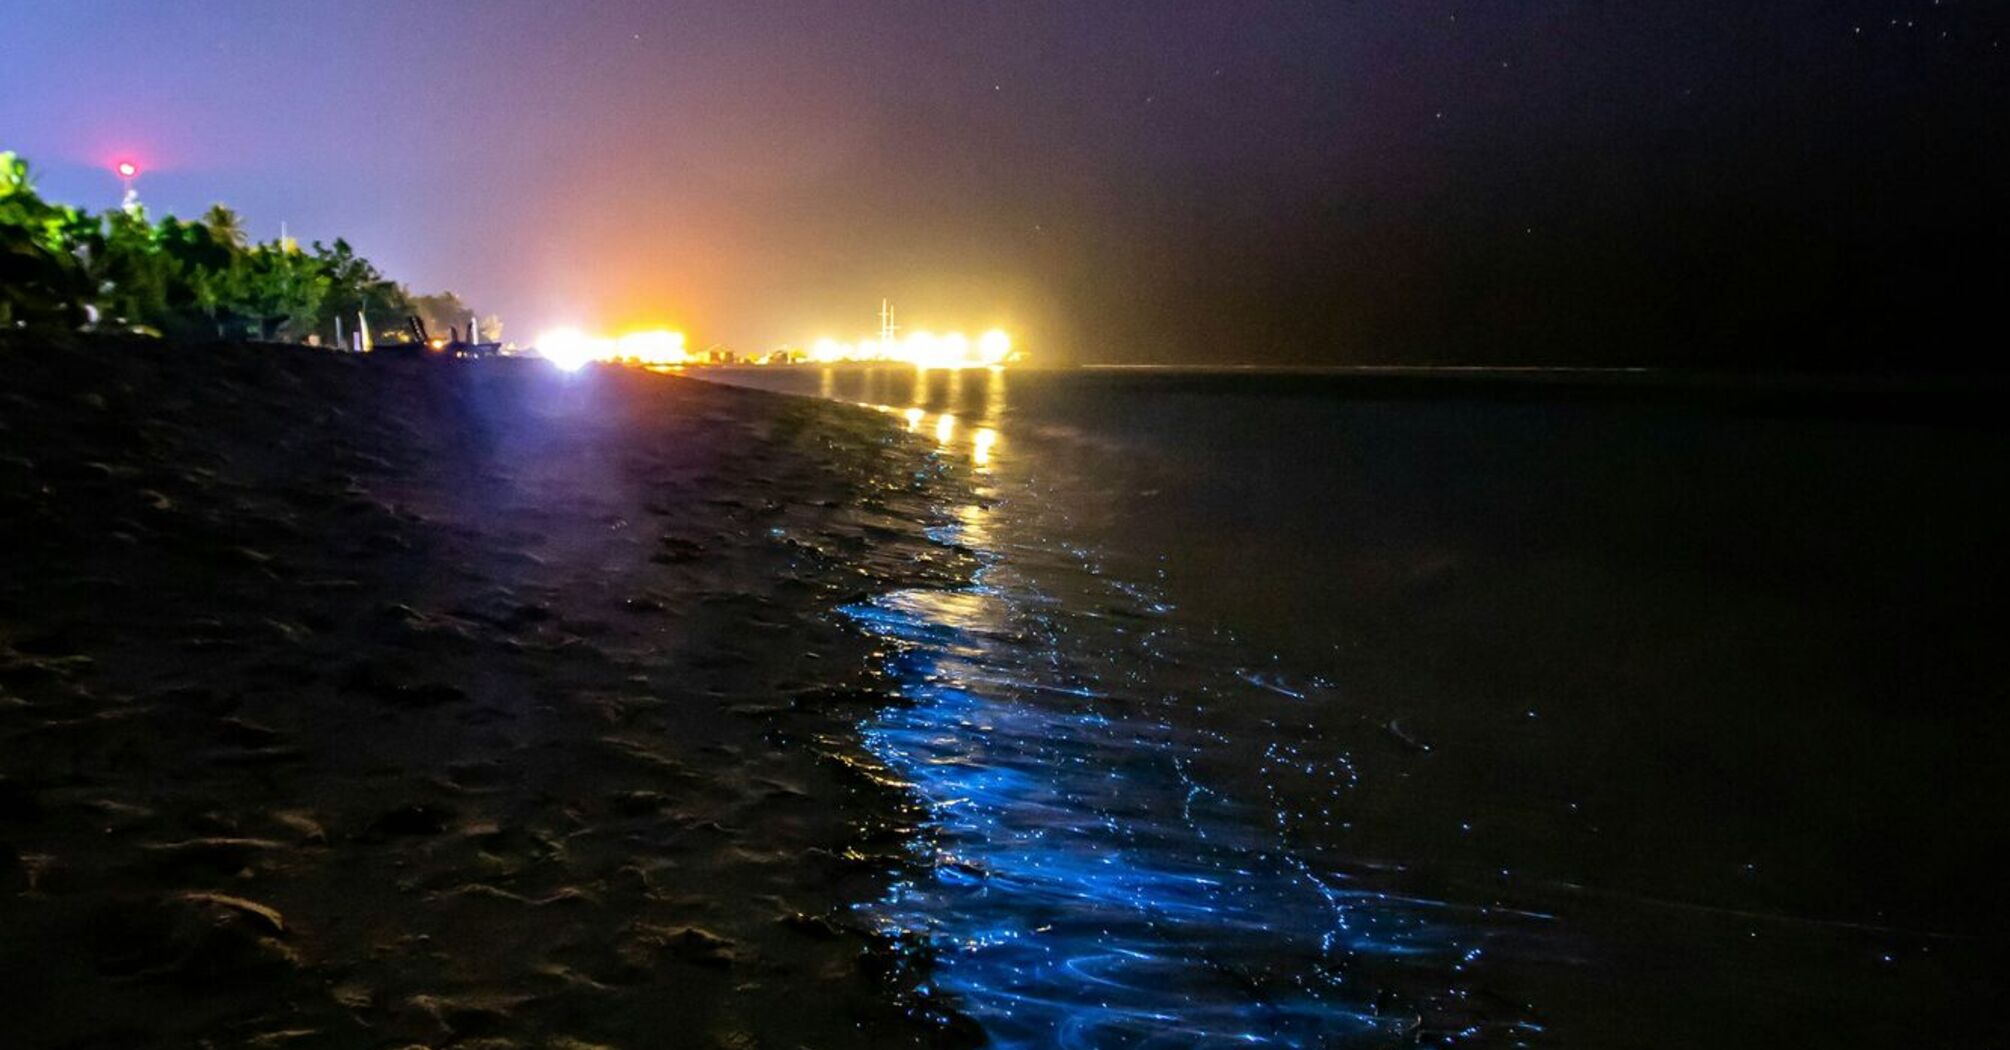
<point x="571" y="348"/>
<point x="951" y="350"/>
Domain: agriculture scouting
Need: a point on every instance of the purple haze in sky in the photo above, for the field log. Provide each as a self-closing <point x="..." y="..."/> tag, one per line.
<point x="1706" y="181"/>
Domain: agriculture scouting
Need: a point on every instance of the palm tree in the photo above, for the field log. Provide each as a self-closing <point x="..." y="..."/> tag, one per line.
<point x="226" y="226"/>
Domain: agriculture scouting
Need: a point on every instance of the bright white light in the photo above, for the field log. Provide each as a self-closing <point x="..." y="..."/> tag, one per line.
<point x="568" y="348"/>
<point x="993" y="347"/>
<point x="945" y="428"/>
<point x="980" y="446"/>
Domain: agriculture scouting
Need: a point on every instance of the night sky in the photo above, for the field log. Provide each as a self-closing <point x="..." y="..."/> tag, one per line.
<point x="1810" y="184"/>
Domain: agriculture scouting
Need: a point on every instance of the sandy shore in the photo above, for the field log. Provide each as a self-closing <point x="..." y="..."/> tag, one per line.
<point x="354" y="702"/>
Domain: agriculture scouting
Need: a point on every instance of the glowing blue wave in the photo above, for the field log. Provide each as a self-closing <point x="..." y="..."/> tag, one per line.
<point x="1083" y="886"/>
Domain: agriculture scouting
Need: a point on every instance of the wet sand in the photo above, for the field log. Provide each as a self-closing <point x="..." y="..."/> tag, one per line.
<point x="353" y="702"/>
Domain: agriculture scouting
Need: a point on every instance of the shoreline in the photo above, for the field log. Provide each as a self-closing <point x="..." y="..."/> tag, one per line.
<point x="1500" y="620"/>
<point x="345" y="701"/>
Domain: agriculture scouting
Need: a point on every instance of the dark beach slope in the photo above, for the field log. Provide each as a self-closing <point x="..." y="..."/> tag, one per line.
<point x="353" y="702"/>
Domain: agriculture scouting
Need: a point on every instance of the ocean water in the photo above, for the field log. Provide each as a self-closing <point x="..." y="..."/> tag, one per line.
<point x="1284" y="712"/>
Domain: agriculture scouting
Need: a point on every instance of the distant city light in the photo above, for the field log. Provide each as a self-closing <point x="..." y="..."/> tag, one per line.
<point x="993" y="346"/>
<point x="655" y="346"/>
<point x="920" y="349"/>
<point x="570" y="349"/>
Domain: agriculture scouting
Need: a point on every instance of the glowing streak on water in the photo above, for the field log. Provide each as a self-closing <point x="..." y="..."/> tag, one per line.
<point x="1085" y="888"/>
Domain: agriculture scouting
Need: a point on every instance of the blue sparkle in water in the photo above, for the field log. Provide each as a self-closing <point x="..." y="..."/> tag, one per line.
<point x="1082" y="888"/>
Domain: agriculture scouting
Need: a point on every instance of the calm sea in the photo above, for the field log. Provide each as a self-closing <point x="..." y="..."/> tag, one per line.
<point x="1292" y="711"/>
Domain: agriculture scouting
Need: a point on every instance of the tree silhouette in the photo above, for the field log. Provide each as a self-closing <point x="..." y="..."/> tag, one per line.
<point x="63" y="267"/>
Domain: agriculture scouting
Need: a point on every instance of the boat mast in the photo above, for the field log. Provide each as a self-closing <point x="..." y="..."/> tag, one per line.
<point x="886" y="326"/>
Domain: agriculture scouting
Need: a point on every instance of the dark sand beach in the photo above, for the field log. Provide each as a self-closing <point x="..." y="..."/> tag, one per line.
<point x="354" y="702"/>
<point x="1069" y="526"/>
<point x="395" y="702"/>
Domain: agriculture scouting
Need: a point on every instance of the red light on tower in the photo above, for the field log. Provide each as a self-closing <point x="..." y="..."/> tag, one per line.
<point x="128" y="171"/>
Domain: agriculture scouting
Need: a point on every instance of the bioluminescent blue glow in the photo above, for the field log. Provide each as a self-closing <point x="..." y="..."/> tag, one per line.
<point x="1083" y="884"/>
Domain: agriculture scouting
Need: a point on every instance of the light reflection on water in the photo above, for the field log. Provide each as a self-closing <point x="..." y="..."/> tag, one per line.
<point x="1084" y="884"/>
<point x="1549" y="681"/>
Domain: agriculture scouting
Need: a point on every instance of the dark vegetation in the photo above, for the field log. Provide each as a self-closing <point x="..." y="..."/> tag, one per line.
<point x="62" y="267"/>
